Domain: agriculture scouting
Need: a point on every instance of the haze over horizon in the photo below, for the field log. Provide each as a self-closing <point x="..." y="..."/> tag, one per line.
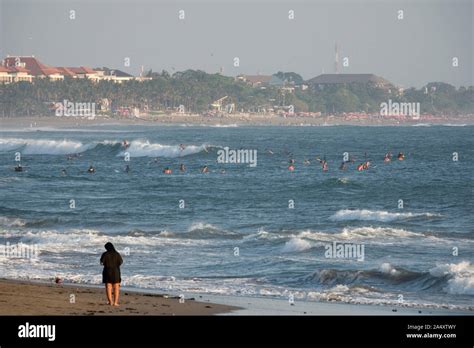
<point x="409" y="52"/>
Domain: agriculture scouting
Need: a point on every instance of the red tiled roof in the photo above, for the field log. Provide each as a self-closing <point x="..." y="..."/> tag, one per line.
<point x="88" y="70"/>
<point x="73" y="71"/>
<point x="66" y="71"/>
<point x="19" y="69"/>
<point x="13" y="69"/>
<point x="32" y="64"/>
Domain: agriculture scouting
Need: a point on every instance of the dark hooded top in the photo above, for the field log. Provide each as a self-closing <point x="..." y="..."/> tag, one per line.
<point x="111" y="260"/>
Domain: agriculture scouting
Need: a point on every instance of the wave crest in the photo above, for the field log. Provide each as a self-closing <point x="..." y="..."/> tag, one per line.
<point x="375" y="215"/>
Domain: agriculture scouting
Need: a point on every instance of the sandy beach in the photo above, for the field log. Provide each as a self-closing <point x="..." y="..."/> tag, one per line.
<point x="199" y="120"/>
<point x="36" y="298"/>
<point x="30" y="298"/>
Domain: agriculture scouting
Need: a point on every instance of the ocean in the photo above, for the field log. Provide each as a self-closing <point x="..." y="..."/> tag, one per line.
<point x="247" y="230"/>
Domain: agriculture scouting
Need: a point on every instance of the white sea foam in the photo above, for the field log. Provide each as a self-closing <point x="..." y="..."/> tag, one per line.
<point x="143" y="148"/>
<point x="197" y="226"/>
<point x="44" y="147"/>
<point x="296" y="244"/>
<point x="361" y="233"/>
<point x="91" y="241"/>
<point x="388" y="269"/>
<point x="461" y="275"/>
<point x="375" y="215"/>
<point x="11" y="222"/>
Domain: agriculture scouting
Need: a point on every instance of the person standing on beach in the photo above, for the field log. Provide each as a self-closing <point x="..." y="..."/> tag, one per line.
<point x="111" y="260"/>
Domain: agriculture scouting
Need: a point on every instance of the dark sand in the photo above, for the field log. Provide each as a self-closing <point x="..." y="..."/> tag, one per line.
<point x="31" y="298"/>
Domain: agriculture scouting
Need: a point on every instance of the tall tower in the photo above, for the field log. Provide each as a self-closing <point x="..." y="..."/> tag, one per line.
<point x="336" y="59"/>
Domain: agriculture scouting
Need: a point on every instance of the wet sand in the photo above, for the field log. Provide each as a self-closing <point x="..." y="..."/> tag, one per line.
<point x="31" y="298"/>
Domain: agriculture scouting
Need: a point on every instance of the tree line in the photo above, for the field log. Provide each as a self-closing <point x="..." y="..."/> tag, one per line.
<point x="196" y="91"/>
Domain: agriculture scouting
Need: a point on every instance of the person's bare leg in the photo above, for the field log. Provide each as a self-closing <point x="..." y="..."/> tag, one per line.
<point x="108" y="291"/>
<point x="116" y="293"/>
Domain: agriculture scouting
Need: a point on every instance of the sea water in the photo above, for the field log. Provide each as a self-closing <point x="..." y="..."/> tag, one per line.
<point x="247" y="230"/>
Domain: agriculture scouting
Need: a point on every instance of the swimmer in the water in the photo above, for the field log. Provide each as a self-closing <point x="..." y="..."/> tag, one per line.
<point x="306" y="162"/>
<point x="182" y="168"/>
<point x="291" y="167"/>
<point x="18" y="168"/>
<point x="167" y="170"/>
<point x="63" y="172"/>
<point x="401" y="156"/>
<point x="323" y="163"/>
<point x="343" y="166"/>
<point x="387" y="157"/>
<point x="91" y="169"/>
<point x="205" y="169"/>
<point x="127" y="169"/>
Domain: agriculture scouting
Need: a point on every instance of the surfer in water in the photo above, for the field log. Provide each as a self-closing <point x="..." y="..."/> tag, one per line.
<point x="91" y="170"/>
<point x="323" y="163"/>
<point x="127" y="169"/>
<point x="125" y="144"/>
<point x="18" y="168"/>
<point x="325" y="166"/>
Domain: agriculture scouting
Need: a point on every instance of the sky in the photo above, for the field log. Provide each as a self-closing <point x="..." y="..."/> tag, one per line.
<point x="410" y="52"/>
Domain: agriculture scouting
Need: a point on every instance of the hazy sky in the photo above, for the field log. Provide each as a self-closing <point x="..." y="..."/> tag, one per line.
<point x="408" y="52"/>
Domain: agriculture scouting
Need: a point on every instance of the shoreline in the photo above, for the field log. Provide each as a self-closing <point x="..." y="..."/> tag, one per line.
<point x="197" y="120"/>
<point x="22" y="297"/>
<point x="19" y="297"/>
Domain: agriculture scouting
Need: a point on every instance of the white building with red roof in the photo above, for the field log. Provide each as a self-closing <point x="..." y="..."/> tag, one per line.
<point x="33" y="66"/>
<point x="14" y="74"/>
<point x="26" y="68"/>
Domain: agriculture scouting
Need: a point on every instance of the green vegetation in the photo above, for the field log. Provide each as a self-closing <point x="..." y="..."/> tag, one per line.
<point x="196" y="90"/>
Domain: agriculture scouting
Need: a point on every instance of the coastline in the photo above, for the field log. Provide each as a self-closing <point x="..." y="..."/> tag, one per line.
<point x="19" y="297"/>
<point x="36" y="123"/>
<point x="41" y="298"/>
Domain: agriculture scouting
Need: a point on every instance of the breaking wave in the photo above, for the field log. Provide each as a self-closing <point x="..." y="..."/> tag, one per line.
<point x="375" y="215"/>
<point x="137" y="148"/>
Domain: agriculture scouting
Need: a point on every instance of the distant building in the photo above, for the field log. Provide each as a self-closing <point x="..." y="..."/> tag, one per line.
<point x="79" y="73"/>
<point x="5" y="76"/>
<point x="114" y="75"/>
<point x="27" y="68"/>
<point x="341" y="79"/>
<point x="15" y="74"/>
<point x="261" y="80"/>
<point x="33" y="66"/>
